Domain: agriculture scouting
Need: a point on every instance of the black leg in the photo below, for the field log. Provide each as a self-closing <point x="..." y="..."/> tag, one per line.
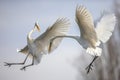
<point x="9" y="64"/>
<point x="89" y="67"/>
<point x="24" y="68"/>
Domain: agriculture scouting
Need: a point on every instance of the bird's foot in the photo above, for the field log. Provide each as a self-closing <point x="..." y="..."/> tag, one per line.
<point x="23" y="68"/>
<point x="8" y="64"/>
<point x="89" y="67"/>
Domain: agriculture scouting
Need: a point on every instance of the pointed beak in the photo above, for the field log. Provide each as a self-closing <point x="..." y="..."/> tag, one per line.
<point x="37" y="26"/>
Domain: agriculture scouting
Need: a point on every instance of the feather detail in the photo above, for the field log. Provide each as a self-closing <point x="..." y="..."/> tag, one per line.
<point x="95" y="52"/>
<point x="105" y="27"/>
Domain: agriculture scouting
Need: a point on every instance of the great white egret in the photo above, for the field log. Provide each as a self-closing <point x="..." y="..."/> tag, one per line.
<point x="91" y="37"/>
<point x="36" y="48"/>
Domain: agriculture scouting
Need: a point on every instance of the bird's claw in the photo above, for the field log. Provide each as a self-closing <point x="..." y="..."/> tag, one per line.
<point x="23" y="68"/>
<point x="88" y="68"/>
<point x="7" y="64"/>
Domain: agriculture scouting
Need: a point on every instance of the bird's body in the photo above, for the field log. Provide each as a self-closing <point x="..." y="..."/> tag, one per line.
<point x="91" y="37"/>
<point x="38" y="47"/>
<point x="85" y="23"/>
<point x="88" y="38"/>
<point x="33" y="50"/>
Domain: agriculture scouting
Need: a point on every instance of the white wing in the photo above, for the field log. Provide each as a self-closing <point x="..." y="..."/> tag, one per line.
<point x="84" y="19"/>
<point x="85" y="22"/>
<point x="59" y="28"/>
<point x="105" y="27"/>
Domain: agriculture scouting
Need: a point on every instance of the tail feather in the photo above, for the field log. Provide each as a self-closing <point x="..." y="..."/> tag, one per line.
<point x="18" y="50"/>
<point x="23" y="50"/>
<point x="96" y="52"/>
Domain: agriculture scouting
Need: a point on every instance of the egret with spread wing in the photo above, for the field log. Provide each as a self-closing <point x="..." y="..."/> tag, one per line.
<point x="36" y="48"/>
<point x="91" y="37"/>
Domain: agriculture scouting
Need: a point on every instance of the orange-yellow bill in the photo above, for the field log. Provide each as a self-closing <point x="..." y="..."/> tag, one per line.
<point x="37" y="26"/>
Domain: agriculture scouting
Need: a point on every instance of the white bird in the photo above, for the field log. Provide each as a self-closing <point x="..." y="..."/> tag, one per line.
<point x="92" y="37"/>
<point x="36" y="48"/>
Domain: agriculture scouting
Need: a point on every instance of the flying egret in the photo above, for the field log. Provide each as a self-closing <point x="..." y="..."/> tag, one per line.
<point x="36" y="48"/>
<point x="91" y="37"/>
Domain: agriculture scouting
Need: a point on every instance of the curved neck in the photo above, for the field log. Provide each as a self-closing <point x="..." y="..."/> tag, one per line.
<point x="29" y="35"/>
<point x="73" y="37"/>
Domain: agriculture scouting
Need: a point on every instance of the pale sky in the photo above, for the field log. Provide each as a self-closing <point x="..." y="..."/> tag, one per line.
<point x="17" y="18"/>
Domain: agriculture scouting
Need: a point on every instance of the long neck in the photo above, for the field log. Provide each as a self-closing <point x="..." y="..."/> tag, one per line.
<point x="73" y="37"/>
<point x="29" y="39"/>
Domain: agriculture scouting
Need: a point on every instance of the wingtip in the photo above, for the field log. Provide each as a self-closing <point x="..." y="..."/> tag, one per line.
<point x="64" y="20"/>
<point x="79" y="7"/>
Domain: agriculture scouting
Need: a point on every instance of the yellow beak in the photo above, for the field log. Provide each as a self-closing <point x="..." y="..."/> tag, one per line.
<point x="37" y="26"/>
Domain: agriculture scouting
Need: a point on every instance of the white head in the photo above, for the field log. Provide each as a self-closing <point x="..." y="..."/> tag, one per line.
<point x="36" y="27"/>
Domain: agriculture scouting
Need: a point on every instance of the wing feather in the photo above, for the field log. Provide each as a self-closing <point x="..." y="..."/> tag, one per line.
<point x="105" y="27"/>
<point x="59" y="28"/>
<point x="84" y="18"/>
<point x="85" y="22"/>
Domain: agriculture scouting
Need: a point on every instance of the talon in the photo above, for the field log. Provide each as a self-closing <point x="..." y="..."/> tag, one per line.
<point x="23" y="68"/>
<point x="7" y="64"/>
<point x="89" y="68"/>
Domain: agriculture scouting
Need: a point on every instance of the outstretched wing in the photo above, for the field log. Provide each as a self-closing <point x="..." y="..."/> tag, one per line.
<point x="59" y="28"/>
<point x="85" y="22"/>
<point x="105" y="27"/>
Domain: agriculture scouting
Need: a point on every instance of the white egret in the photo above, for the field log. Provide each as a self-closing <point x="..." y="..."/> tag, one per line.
<point x="91" y="37"/>
<point x="36" y="48"/>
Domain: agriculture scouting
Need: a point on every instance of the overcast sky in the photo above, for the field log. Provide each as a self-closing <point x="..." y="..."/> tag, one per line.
<point x="17" y="18"/>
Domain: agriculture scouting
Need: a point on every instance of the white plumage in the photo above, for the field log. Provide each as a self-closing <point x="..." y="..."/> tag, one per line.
<point x="105" y="27"/>
<point x="88" y="35"/>
<point x="38" y="47"/>
<point x="92" y="37"/>
<point x="59" y="28"/>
